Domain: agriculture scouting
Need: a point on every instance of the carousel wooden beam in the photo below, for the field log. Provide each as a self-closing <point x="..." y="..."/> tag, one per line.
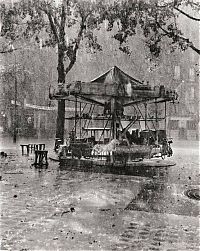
<point x="128" y="126"/>
<point x="91" y="100"/>
<point x="162" y="100"/>
<point x="148" y="101"/>
<point x="135" y="102"/>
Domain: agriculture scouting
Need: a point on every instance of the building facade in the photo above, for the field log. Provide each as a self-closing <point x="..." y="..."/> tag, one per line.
<point x="183" y="120"/>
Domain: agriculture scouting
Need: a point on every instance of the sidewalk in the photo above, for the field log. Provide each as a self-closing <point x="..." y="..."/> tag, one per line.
<point x="65" y="209"/>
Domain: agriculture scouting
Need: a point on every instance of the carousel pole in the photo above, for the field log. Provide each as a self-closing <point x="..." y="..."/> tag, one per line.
<point x="80" y="119"/>
<point x="113" y="112"/>
<point x="75" y="120"/>
<point x="113" y="125"/>
<point x="145" y="120"/>
<point x="165" y="116"/>
<point x="156" y="120"/>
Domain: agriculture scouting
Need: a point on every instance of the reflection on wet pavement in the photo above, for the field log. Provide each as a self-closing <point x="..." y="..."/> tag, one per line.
<point x="164" y="198"/>
<point x="138" y="171"/>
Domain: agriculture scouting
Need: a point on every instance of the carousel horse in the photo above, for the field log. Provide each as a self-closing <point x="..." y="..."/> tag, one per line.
<point x="105" y="149"/>
<point x="61" y="150"/>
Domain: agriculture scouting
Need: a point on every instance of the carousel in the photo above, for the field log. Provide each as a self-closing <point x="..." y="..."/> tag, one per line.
<point x="116" y="120"/>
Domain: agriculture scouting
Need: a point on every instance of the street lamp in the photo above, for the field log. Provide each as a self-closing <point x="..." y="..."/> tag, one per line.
<point x="15" y="105"/>
<point x="11" y="49"/>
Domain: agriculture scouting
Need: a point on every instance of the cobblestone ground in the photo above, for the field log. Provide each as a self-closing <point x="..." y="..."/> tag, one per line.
<point x="53" y="209"/>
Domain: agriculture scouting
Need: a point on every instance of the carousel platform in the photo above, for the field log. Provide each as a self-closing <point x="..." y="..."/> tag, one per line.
<point x="92" y="162"/>
<point x="147" y="167"/>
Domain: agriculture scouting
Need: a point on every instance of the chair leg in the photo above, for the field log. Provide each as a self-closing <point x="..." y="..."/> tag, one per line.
<point x="40" y="159"/>
<point x="35" y="159"/>
<point x="46" y="159"/>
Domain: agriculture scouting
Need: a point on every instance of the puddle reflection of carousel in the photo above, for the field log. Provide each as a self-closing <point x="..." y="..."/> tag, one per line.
<point x="118" y="121"/>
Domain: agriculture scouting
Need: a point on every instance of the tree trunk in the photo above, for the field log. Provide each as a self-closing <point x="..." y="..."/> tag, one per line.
<point x="60" y="125"/>
<point x="61" y="103"/>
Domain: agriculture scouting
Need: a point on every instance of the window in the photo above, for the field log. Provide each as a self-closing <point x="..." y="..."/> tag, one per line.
<point x="177" y="72"/>
<point x="191" y="125"/>
<point x="192" y="93"/>
<point x="173" y="124"/>
<point x="192" y="74"/>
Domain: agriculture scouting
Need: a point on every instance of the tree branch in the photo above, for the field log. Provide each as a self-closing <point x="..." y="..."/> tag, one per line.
<point x="52" y="24"/>
<point x="56" y="21"/>
<point x="173" y="5"/>
<point x="78" y="40"/>
<point x="194" y="48"/>
<point x="63" y="21"/>
<point x="14" y="49"/>
<point x="186" y="14"/>
<point x="171" y="35"/>
<point x="193" y="4"/>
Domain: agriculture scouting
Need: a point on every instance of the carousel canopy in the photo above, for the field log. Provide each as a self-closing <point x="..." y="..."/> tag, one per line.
<point x="117" y="76"/>
<point x="116" y="84"/>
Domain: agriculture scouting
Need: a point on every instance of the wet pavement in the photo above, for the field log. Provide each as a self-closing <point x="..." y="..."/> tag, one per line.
<point x="68" y="209"/>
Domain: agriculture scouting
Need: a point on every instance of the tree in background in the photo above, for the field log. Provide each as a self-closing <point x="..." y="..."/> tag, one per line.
<point x="64" y="24"/>
<point x="16" y="85"/>
<point x="69" y="24"/>
<point x="158" y="20"/>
